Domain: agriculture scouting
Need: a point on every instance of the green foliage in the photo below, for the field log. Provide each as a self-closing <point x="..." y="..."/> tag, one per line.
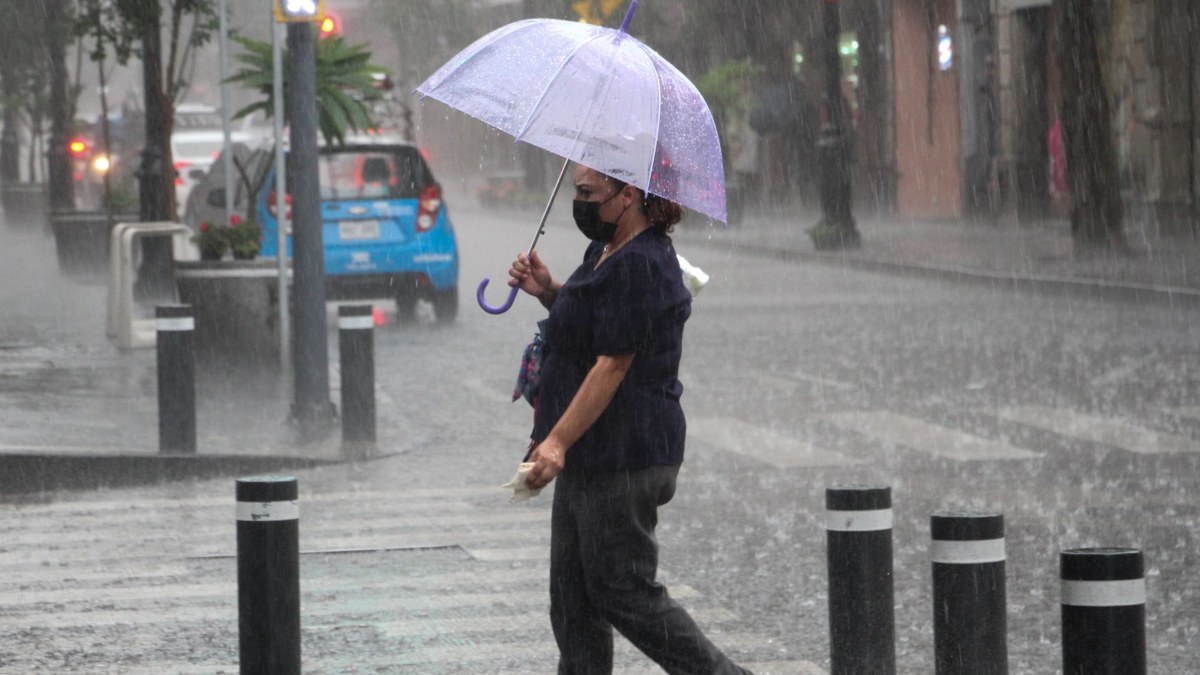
<point x="725" y="88"/>
<point x="345" y="78"/>
<point x="122" y="197"/>
<point x="121" y="25"/>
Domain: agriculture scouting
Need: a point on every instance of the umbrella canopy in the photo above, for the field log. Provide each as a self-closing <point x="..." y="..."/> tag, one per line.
<point x="596" y="96"/>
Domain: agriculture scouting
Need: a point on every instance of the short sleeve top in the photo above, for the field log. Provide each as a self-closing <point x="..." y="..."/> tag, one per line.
<point x="634" y="303"/>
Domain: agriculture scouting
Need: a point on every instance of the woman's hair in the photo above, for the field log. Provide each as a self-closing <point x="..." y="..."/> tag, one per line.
<point x="662" y="213"/>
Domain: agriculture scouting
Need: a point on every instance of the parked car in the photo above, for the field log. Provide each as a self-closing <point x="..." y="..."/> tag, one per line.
<point x="197" y="141"/>
<point x="386" y="229"/>
<point x="194" y="152"/>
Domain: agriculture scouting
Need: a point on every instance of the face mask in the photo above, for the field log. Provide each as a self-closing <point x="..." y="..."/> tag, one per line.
<point x="587" y="219"/>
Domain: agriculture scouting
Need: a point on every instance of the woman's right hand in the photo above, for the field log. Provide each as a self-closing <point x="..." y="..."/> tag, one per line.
<point x="530" y="274"/>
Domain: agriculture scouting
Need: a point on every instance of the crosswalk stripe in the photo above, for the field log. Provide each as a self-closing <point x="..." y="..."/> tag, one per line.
<point x="432" y="497"/>
<point x="318" y="608"/>
<point x="922" y="436"/>
<point x="758" y="668"/>
<point x="1192" y="411"/>
<point x="153" y="528"/>
<point x="317" y="666"/>
<point x="224" y="545"/>
<point x="1117" y="433"/>
<point x="510" y="554"/>
<point x="627" y="662"/>
<point x="143" y="587"/>
<point x="764" y="445"/>
<point x="504" y="624"/>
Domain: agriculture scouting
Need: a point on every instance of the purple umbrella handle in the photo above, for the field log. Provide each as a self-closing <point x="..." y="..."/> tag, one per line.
<point x="629" y="16"/>
<point x="499" y="309"/>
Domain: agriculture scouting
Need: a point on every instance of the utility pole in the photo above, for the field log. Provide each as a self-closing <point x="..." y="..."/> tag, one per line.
<point x="312" y="409"/>
<point x="836" y="229"/>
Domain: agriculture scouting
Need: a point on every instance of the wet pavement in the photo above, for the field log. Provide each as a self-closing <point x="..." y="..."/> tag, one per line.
<point x="1077" y="416"/>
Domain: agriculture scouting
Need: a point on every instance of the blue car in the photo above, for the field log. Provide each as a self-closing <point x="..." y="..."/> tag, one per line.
<point x="385" y="225"/>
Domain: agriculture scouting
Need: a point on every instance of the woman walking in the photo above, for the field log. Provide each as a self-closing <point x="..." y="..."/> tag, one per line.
<point x="608" y="425"/>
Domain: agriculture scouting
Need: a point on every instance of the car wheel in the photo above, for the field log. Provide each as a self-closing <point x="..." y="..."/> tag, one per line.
<point x="445" y="305"/>
<point x="406" y="306"/>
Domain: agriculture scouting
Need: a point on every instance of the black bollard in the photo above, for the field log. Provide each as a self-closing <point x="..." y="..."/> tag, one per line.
<point x="1103" y="612"/>
<point x="970" y="624"/>
<point x="862" y="623"/>
<point x="356" y="343"/>
<point x="268" y="556"/>
<point x="176" y="353"/>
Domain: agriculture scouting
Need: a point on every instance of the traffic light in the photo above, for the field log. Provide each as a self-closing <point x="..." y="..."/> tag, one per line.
<point x="77" y="147"/>
<point x="596" y="11"/>
<point x="299" y="11"/>
<point x="330" y="26"/>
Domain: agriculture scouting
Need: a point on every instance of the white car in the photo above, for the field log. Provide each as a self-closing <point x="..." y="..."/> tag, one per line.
<point x="196" y="143"/>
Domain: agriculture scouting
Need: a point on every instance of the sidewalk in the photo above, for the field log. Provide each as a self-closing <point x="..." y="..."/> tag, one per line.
<point x="77" y="413"/>
<point x="1033" y="256"/>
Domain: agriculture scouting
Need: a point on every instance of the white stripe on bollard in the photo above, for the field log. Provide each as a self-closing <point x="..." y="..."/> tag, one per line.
<point x="858" y="521"/>
<point x="268" y="511"/>
<point x="356" y="322"/>
<point x="175" y="323"/>
<point x="1104" y="593"/>
<point x="967" y="552"/>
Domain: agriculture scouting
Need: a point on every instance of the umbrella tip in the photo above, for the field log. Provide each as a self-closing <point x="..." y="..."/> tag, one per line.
<point x="629" y="16"/>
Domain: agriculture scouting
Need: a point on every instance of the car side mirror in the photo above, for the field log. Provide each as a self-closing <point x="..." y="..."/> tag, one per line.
<point x="216" y="198"/>
<point x="197" y="174"/>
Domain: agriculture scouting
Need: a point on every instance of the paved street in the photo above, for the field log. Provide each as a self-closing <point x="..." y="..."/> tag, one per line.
<point x="1079" y="419"/>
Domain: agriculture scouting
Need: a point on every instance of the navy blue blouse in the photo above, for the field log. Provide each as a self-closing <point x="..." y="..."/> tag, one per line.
<point x="634" y="303"/>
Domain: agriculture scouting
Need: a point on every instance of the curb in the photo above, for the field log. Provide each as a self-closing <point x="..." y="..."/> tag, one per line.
<point x="1097" y="289"/>
<point x="26" y="473"/>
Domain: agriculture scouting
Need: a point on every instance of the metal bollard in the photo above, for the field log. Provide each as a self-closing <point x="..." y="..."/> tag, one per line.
<point x="356" y="343"/>
<point x="176" y="363"/>
<point x="862" y="622"/>
<point x="1103" y="612"/>
<point x="268" y="555"/>
<point x="970" y="623"/>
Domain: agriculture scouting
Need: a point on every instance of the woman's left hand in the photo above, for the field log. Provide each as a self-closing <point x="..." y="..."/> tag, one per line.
<point x="548" y="459"/>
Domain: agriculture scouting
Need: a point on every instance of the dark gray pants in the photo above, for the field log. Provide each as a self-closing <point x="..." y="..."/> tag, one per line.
<point x="603" y="563"/>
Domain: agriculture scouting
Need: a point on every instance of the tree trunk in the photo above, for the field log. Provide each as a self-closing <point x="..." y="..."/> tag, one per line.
<point x="1096" y="222"/>
<point x="10" y="144"/>
<point x="157" y="174"/>
<point x="62" y="185"/>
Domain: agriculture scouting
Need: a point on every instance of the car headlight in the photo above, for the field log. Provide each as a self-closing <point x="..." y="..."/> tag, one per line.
<point x="101" y="164"/>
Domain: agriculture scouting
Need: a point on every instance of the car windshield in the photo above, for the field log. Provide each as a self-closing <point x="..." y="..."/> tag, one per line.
<point x="371" y="174"/>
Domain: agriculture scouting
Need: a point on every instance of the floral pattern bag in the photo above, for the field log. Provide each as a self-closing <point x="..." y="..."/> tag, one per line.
<point x="531" y="366"/>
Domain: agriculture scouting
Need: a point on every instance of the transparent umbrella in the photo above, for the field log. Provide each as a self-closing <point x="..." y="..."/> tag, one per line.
<point x="595" y="96"/>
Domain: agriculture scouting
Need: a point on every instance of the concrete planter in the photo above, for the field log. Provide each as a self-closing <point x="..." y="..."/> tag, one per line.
<point x="24" y="205"/>
<point x="236" y="307"/>
<point x="81" y="241"/>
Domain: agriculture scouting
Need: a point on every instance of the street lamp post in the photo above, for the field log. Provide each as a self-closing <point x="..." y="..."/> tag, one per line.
<point x="836" y="229"/>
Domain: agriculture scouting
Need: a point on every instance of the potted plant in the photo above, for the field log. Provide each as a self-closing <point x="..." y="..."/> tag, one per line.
<point x="212" y="242"/>
<point x="244" y="236"/>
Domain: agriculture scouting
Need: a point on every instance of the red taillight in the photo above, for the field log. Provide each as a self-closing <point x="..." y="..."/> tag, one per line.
<point x="428" y="206"/>
<point x="179" y="167"/>
<point x="271" y="205"/>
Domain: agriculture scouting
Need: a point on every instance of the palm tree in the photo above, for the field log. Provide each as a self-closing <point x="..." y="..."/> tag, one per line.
<point x="344" y="80"/>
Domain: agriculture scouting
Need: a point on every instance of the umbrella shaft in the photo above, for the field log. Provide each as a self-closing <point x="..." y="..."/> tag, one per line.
<point x="546" y="213"/>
